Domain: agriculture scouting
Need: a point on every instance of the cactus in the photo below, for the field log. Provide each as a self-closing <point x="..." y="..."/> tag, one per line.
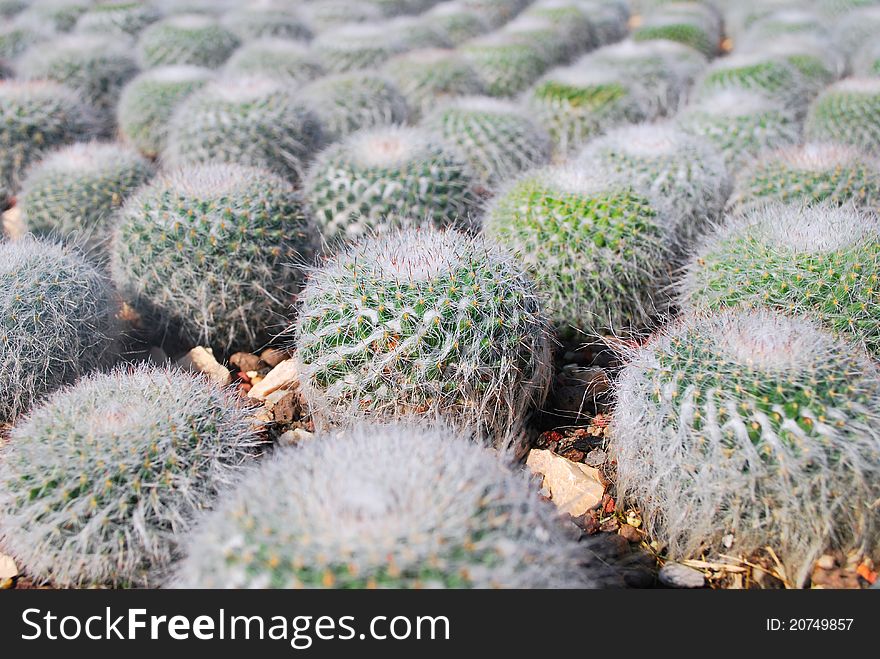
<point x="784" y="23"/>
<point x="331" y="14"/>
<point x="817" y="60"/>
<point x="388" y="177"/>
<point x="691" y="24"/>
<point x="822" y="260"/>
<point x="505" y="63"/>
<point x="59" y="320"/>
<point x="423" y="322"/>
<point x="94" y="66"/>
<point x="347" y="102"/>
<point x="741" y="124"/>
<point x="35" y="117"/>
<point x="750" y="425"/>
<point x="100" y="484"/>
<point x="609" y="19"/>
<point x="275" y="58"/>
<point x="497" y="138"/>
<point x="560" y="38"/>
<point x="123" y="18"/>
<point x="597" y="248"/>
<point x="847" y="112"/>
<point x="808" y="174"/>
<point x="259" y="122"/>
<point x="412" y="32"/>
<point x="149" y="100"/>
<point x="496" y="12"/>
<point x="355" y="47"/>
<point x="76" y="189"/>
<point x="265" y="20"/>
<point x="456" y="22"/>
<point x="867" y="61"/>
<point x="427" y="77"/>
<point x="203" y="252"/>
<point x="687" y="172"/>
<point x="421" y="507"/>
<point x="186" y="39"/>
<point x="58" y="15"/>
<point x="856" y="29"/>
<point x="17" y="36"/>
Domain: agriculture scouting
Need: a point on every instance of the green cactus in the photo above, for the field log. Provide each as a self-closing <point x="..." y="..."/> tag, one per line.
<point x="456" y="22"/>
<point x="123" y="18"/>
<point x="598" y="248"/>
<point x="147" y="104"/>
<point x="58" y="15"/>
<point x="506" y="64"/>
<point x="753" y="428"/>
<point x="186" y="39"/>
<point x="817" y="60"/>
<point x="847" y="112"/>
<point x="856" y="29"/>
<point x="204" y="252"/>
<point x="498" y="138"/>
<point x="101" y="484"/>
<point x="867" y="61"/>
<point x="276" y="58"/>
<point x="495" y="12"/>
<point x="609" y="19"/>
<point x="331" y="14"/>
<point x="688" y="23"/>
<point x="17" y="36"/>
<point x="388" y="177"/>
<point x="423" y="322"/>
<point x="561" y="35"/>
<point x="259" y="122"/>
<point x="411" y="32"/>
<point x="355" y="47"/>
<point x="265" y="20"/>
<point x="786" y="22"/>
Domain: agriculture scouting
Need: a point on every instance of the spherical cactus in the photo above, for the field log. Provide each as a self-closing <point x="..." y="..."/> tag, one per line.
<point x="693" y="26"/>
<point x="741" y="124"/>
<point x="496" y="12"/>
<point x="560" y="40"/>
<point x="497" y="138"/>
<point x="330" y="14"/>
<point x="506" y="64"/>
<point x="59" y="320"/>
<point x="573" y="22"/>
<point x="259" y="122"/>
<point x="423" y="322"/>
<point x="598" y="248"/>
<point x="355" y="47"/>
<point x="204" y="252"/>
<point x="411" y="32"/>
<point x="422" y="507"/>
<point x="76" y="189"/>
<point x="95" y="66"/>
<point x="388" y="177"/>
<point x="783" y="23"/>
<point x="276" y="58"/>
<point x="36" y="117"/>
<point x="822" y="260"/>
<point x="686" y="171"/>
<point x="857" y="28"/>
<point x="752" y="426"/>
<point x="149" y="100"/>
<point x="817" y="60"/>
<point x="811" y="173"/>
<point x="847" y="112"/>
<point x="576" y="103"/>
<point x="59" y="15"/>
<point x="867" y="61"/>
<point x="347" y="102"/>
<point x="124" y="18"/>
<point x="17" y="36"/>
<point x="456" y="22"/>
<point x="428" y="77"/>
<point x="186" y="39"/>
<point x="101" y="483"/>
<point x="266" y="20"/>
<point x="609" y="19"/>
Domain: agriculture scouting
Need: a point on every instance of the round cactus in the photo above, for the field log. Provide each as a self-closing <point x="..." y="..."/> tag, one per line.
<point x="817" y="60"/>
<point x="848" y="112"/>
<point x="76" y="189"/>
<point x="560" y="38"/>
<point x="496" y="12"/>
<point x="186" y="39"/>
<point x="259" y="122"/>
<point x="204" y="251"/>
<point x="125" y="18"/>
<point x="101" y="483"/>
<point x="498" y="138"/>
<point x="598" y="248"/>
<point x="783" y="23"/>
<point x="421" y="507"/>
<point x="427" y="77"/>
<point x="696" y="29"/>
<point x="149" y="100"/>
<point x="857" y="28"/>
<point x="506" y="64"/>
<point x="17" y="36"/>
<point x="456" y="22"/>
<point x="330" y="14"/>
<point x="686" y="171"/>
<point x="411" y="32"/>
<point x="59" y="320"/>
<point x="609" y="19"/>
<point x="867" y="61"/>
<point x="741" y="124"/>
<point x="822" y="260"/>
<point x="265" y="20"/>
<point x="811" y="173"/>
<point x="348" y="102"/>
<point x="423" y="322"/>
<point x="36" y="117"/>
<point x="750" y="425"/>
<point x="355" y="47"/>
<point x="388" y="177"/>
<point x="58" y="15"/>
<point x="276" y="58"/>
<point x="572" y="20"/>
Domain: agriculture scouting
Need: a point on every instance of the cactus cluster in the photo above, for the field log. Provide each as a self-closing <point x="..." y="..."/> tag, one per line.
<point x="847" y="112"/>
<point x="507" y="65"/>
<point x="750" y="427"/>
<point x="277" y="58"/>
<point x="421" y="507"/>
<point x="186" y="39"/>
<point x="17" y="36"/>
<point x="101" y="483"/>
<point x="329" y="14"/>
<point x="428" y="322"/>
<point x="867" y="61"/>
<point x="204" y="252"/>
<point x="58" y="312"/>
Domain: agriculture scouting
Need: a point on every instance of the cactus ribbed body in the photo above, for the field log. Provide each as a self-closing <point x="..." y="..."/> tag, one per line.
<point x="505" y="64"/>
<point x="771" y="76"/>
<point x="255" y="22"/>
<point x="275" y="58"/>
<point x="355" y="47"/>
<point x="848" y="112"/>
<point x="123" y="18"/>
<point x="186" y="39"/>
<point x="456" y="22"/>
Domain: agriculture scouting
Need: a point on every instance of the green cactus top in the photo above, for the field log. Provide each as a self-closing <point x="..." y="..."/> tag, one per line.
<point x="847" y="112"/>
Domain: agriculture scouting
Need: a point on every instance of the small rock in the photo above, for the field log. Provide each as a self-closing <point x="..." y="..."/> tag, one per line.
<point x="283" y="376"/>
<point x="610" y="525"/>
<point x="574" y="455"/>
<point x="293" y="437"/>
<point x="574" y="487"/>
<point x="638" y="577"/>
<point x="288" y="408"/>
<point x="8" y="568"/>
<point x="676" y="575"/>
<point x="246" y="361"/>
<point x="262" y="415"/>
<point x="272" y="357"/>
<point x="727" y="541"/>
<point x="588" y="522"/>
<point x="631" y="533"/>
<point x="201" y="360"/>
<point x="596" y="458"/>
<point x="826" y="562"/>
<point x="14" y="225"/>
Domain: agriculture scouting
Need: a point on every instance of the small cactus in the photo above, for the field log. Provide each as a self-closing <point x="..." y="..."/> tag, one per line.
<point x="330" y="14"/>
<point x="560" y="38"/>
<point x="17" y="36"/>
<point x="203" y="250"/>
<point x="847" y="112"/>
<point x="752" y="426"/>
<point x="275" y="58"/>
<point x="411" y="32"/>
<point x="688" y="23"/>
<point x="423" y="322"/>
<point x="867" y="61"/>
<point x="76" y="189"/>
<point x="388" y="177"/>
<point x="456" y="22"/>
<point x="59" y="320"/>
<point x="265" y="20"/>
<point x="121" y="17"/>
<point x="505" y="63"/>
<point x="149" y="100"/>
<point x="186" y="39"/>
<point x="420" y="507"/>
<point x="598" y="248"/>
<point x="817" y="60"/>
<point x="355" y="47"/>
<point x="785" y="22"/>
<point x="497" y="138"/>
<point x="259" y="122"/>
<point x="857" y="28"/>
<point x="58" y="15"/>
<point x="101" y="483"/>
<point x="609" y="19"/>
<point x="496" y="12"/>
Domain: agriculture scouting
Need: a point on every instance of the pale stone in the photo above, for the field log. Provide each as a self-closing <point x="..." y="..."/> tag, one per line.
<point x="575" y="488"/>
<point x="201" y="360"/>
<point x="282" y="376"/>
<point x="8" y="568"/>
